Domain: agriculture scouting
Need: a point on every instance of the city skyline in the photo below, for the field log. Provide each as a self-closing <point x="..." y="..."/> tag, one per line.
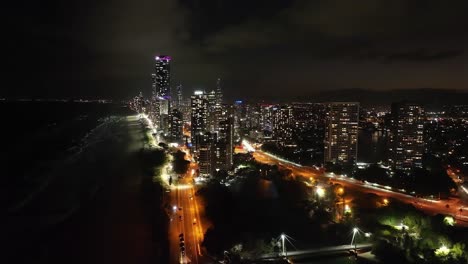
<point x="235" y="131"/>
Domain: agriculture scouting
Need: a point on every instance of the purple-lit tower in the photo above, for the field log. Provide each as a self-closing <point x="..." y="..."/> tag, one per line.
<point x="162" y="90"/>
<point x="162" y="77"/>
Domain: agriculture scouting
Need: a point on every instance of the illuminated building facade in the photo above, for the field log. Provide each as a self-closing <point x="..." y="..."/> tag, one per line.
<point x="161" y="91"/>
<point x="282" y="124"/>
<point x="212" y="129"/>
<point x="341" y="132"/>
<point x="176" y="125"/>
<point x="406" y="138"/>
<point x="162" y="76"/>
<point x="205" y="154"/>
<point x="199" y="115"/>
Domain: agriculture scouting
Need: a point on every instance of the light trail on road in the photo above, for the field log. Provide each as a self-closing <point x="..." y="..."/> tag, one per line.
<point x="182" y="195"/>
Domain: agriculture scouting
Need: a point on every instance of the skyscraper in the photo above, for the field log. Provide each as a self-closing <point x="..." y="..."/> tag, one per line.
<point x="205" y="152"/>
<point x="179" y="97"/>
<point x="212" y="131"/>
<point x="213" y="122"/>
<point x="162" y="76"/>
<point x="282" y="124"/>
<point x="226" y="142"/>
<point x="341" y="132"/>
<point x="406" y="138"/>
<point x="218" y="106"/>
<point x="239" y="117"/>
<point x="176" y="125"/>
<point x="162" y="89"/>
<point x="219" y="92"/>
<point x="199" y="115"/>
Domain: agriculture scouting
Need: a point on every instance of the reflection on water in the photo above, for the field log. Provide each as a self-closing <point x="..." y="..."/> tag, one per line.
<point x="266" y="189"/>
<point x="372" y="146"/>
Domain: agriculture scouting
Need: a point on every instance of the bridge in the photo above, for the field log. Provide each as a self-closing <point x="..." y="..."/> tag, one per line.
<point x="323" y="251"/>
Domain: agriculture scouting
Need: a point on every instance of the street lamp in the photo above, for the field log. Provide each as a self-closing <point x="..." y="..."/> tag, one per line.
<point x="283" y="236"/>
<point x="340" y="191"/>
<point x="355" y="230"/>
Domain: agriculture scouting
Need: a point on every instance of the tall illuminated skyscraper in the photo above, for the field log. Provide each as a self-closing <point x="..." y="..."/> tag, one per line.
<point x="213" y="122"/>
<point x="341" y="133"/>
<point x="406" y="139"/>
<point x="199" y="115"/>
<point x="179" y="97"/>
<point x="225" y="146"/>
<point x="176" y="125"/>
<point x="282" y="124"/>
<point x="162" y="90"/>
<point x="219" y="92"/>
<point x="162" y="76"/>
<point x="211" y="132"/>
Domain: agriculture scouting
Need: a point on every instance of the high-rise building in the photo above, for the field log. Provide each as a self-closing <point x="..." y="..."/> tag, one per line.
<point x="239" y="117"/>
<point x="219" y="92"/>
<point x="162" y="90"/>
<point x="176" y="125"/>
<point x="179" y="100"/>
<point x="266" y="117"/>
<point x="213" y="121"/>
<point x="226" y="139"/>
<point x="282" y="124"/>
<point x="204" y="155"/>
<point x="253" y="116"/>
<point x="406" y="137"/>
<point x="341" y="133"/>
<point x="162" y="76"/>
<point x="218" y="106"/>
<point x="199" y="116"/>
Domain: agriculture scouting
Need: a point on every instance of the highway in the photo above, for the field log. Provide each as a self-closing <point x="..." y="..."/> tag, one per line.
<point x="186" y="228"/>
<point x="431" y="207"/>
<point x="184" y="212"/>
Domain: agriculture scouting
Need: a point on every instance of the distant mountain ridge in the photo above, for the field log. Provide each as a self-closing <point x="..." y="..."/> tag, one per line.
<point x="425" y="96"/>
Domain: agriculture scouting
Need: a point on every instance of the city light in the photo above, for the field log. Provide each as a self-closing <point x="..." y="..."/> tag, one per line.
<point x="340" y="191"/>
<point x="347" y="209"/>
<point x="283" y="237"/>
<point x="464" y="189"/>
<point x="183" y="186"/>
<point x="248" y="146"/>
<point x="311" y="131"/>
<point x="448" y="220"/>
<point x="355" y="231"/>
<point x="320" y="191"/>
<point x="442" y="251"/>
<point x="401" y="226"/>
<point x="385" y="202"/>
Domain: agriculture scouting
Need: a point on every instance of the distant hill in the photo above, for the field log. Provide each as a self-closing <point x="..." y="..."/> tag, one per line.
<point x="426" y="96"/>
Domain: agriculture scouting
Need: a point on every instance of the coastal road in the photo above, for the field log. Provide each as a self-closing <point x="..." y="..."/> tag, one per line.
<point x="453" y="206"/>
<point x="184" y="214"/>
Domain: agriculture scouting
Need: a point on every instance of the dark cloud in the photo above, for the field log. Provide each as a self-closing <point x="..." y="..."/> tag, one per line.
<point x="106" y="48"/>
<point x="421" y="55"/>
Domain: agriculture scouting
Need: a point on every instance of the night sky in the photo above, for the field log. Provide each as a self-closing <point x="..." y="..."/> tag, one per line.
<point x="260" y="48"/>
